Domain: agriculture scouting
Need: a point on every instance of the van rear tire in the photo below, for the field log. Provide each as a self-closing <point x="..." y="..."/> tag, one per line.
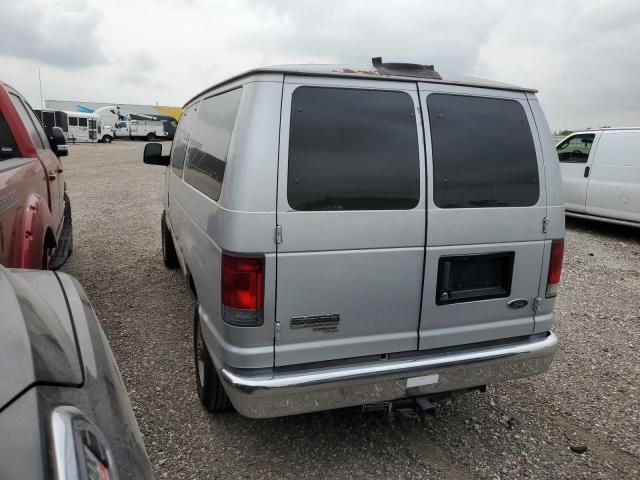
<point x="151" y="137"/>
<point x="210" y="390"/>
<point x="169" y="256"/>
<point x="107" y="139"/>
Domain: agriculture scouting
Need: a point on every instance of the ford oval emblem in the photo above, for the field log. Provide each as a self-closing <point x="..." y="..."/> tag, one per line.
<point x="518" y="303"/>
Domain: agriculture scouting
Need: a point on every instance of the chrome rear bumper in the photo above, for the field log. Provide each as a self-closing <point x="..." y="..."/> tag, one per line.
<point x="280" y="394"/>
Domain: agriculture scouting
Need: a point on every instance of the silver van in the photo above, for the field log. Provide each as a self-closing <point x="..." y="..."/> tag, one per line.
<point x="356" y="235"/>
<point x="601" y="174"/>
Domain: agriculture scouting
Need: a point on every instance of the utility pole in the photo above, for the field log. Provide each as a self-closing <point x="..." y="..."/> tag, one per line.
<point x="40" y="79"/>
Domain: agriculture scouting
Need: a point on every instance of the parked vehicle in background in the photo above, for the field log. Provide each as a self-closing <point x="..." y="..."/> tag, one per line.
<point x="35" y="210"/>
<point x="140" y="129"/>
<point x="357" y="235"/>
<point x="83" y="127"/>
<point x="64" y="410"/>
<point x="601" y="174"/>
<point x="53" y="118"/>
<point x="78" y="127"/>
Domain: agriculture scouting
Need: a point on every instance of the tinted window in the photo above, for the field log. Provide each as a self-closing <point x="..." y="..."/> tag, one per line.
<point x="352" y="150"/>
<point x="48" y="118"/>
<point x="27" y="121"/>
<point x="209" y="142"/>
<point x="483" y="153"/>
<point x="8" y="147"/>
<point x="181" y="139"/>
<point x="62" y="121"/>
<point x="73" y="121"/>
<point x="82" y="122"/>
<point x="576" y="149"/>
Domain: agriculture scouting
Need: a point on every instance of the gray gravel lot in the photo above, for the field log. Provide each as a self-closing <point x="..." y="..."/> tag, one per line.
<point x="521" y="429"/>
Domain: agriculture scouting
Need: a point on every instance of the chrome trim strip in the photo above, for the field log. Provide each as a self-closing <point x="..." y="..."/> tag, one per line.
<point x="271" y="395"/>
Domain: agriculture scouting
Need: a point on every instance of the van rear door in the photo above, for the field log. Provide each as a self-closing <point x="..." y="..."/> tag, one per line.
<point x="486" y="207"/>
<point x="351" y="219"/>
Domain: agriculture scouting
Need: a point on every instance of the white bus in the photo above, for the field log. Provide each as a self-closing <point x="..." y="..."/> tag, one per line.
<point x="83" y="127"/>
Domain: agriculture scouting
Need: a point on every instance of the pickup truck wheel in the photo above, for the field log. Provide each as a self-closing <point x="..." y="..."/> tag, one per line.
<point x="169" y="256"/>
<point x="150" y="137"/>
<point x="210" y="389"/>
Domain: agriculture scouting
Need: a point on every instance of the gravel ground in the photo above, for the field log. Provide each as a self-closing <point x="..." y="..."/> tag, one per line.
<point x="521" y="429"/>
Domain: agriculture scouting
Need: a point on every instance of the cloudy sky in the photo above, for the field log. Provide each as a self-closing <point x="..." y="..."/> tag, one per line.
<point x="583" y="56"/>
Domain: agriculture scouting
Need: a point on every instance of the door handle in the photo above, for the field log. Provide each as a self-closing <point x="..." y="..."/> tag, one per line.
<point x="59" y="170"/>
<point x="586" y="172"/>
<point x="52" y="176"/>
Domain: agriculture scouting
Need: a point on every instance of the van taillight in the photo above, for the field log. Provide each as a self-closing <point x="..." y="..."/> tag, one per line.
<point x="555" y="267"/>
<point x="242" y="290"/>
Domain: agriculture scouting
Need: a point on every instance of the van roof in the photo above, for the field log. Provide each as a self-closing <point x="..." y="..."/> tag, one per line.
<point x="78" y="114"/>
<point x="602" y="129"/>
<point x="369" y="72"/>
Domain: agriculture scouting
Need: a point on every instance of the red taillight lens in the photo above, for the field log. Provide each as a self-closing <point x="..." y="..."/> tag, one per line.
<point x="555" y="267"/>
<point x="242" y="290"/>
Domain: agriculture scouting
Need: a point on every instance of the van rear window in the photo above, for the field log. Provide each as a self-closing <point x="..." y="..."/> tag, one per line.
<point x="8" y="147"/>
<point x="352" y="149"/>
<point x="483" y="153"/>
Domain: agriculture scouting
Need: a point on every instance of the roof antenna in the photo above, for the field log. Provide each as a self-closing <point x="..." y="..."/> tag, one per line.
<point x="405" y="69"/>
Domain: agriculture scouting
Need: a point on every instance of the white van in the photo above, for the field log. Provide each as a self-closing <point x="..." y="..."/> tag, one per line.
<point x="601" y="174"/>
<point x="357" y="235"/>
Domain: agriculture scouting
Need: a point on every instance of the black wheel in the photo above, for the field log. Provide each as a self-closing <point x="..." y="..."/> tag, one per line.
<point x="169" y="256"/>
<point x="151" y="137"/>
<point x="107" y="139"/>
<point x="68" y="220"/>
<point x="210" y="390"/>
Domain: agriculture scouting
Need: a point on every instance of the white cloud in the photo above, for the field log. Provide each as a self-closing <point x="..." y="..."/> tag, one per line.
<point x="580" y="55"/>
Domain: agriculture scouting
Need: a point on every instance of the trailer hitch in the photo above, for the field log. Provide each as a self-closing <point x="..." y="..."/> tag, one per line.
<point x="415" y="407"/>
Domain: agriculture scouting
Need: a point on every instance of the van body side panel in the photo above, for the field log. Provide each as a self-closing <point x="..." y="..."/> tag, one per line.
<point x="555" y="212"/>
<point x="242" y="222"/>
<point x="505" y="242"/>
<point x="358" y="270"/>
<point x="614" y="183"/>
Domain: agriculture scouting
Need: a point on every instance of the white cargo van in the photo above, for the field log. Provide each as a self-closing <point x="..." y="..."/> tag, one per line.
<point x="601" y="174"/>
<point x="357" y="235"/>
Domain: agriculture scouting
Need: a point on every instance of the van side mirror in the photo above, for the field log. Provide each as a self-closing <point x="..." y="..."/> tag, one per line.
<point x="153" y="155"/>
<point x="58" y="142"/>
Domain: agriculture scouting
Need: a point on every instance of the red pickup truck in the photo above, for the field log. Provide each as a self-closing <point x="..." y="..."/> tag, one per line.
<point x="35" y="212"/>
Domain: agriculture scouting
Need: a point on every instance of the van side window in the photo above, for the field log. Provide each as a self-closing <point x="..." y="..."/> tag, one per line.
<point x="82" y="122"/>
<point x="483" y="153"/>
<point x="73" y="121"/>
<point x="8" y="147"/>
<point x="352" y="149"/>
<point x="27" y="121"/>
<point x="209" y="143"/>
<point x="181" y="139"/>
<point x="576" y="149"/>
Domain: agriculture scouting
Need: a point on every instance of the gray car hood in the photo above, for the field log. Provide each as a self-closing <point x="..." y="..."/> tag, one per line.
<point x="37" y="341"/>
